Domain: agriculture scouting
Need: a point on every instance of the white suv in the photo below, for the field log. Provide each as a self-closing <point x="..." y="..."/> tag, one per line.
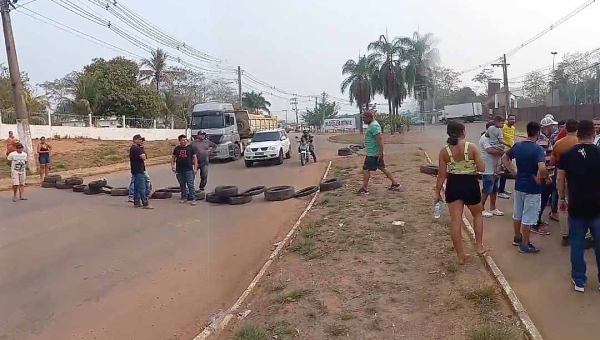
<point x="268" y="145"/>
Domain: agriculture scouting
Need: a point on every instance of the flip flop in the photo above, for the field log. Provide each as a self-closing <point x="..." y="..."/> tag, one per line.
<point x="24" y="199"/>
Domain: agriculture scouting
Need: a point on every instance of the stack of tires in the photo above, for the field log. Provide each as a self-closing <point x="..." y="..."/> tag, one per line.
<point x="50" y="181"/>
<point x="229" y="194"/>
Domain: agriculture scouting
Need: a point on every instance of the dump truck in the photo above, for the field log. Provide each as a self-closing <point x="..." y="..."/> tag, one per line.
<point x="230" y="129"/>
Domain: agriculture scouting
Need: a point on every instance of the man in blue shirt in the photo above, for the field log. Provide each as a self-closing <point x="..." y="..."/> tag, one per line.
<point x="531" y="172"/>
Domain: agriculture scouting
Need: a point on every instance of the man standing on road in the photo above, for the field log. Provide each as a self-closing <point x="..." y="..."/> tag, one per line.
<point x="580" y="166"/>
<point x="374" y="149"/>
<point x="597" y="128"/>
<point x="508" y="132"/>
<point x="202" y="148"/>
<point x="18" y="171"/>
<point x="531" y="171"/>
<point x="185" y="164"/>
<point x="489" y="154"/>
<point x="564" y="144"/>
<point x="137" y="159"/>
<point x="546" y="141"/>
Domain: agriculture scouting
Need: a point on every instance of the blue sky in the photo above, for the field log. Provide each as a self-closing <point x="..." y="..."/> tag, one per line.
<point x="301" y="45"/>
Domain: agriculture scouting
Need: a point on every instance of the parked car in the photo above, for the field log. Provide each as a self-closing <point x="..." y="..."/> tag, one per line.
<point x="417" y="121"/>
<point x="268" y="145"/>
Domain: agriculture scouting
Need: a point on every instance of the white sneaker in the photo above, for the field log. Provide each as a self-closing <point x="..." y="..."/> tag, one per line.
<point x="507" y="192"/>
<point x="497" y="212"/>
<point x="504" y="196"/>
<point x="486" y="213"/>
<point x="577" y="288"/>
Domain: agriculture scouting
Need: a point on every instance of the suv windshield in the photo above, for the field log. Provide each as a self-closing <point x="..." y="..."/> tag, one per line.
<point x="207" y="120"/>
<point x="266" y="136"/>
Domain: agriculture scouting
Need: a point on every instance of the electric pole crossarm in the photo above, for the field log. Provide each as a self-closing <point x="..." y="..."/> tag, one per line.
<point x="504" y="66"/>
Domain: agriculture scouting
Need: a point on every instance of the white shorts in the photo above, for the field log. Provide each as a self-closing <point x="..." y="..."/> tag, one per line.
<point x="18" y="178"/>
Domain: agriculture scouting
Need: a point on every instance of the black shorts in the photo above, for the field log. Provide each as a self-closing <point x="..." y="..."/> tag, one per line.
<point x="463" y="188"/>
<point x="372" y="163"/>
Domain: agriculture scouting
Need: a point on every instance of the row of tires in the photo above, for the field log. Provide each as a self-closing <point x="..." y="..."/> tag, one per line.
<point x="226" y="194"/>
<point x="350" y="150"/>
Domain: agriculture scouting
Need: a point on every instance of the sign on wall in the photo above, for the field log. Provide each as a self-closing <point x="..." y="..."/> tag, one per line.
<point x="340" y="124"/>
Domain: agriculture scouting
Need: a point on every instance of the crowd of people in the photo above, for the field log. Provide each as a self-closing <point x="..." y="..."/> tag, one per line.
<point x="187" y="160"/>
<point x="557" y="164"/>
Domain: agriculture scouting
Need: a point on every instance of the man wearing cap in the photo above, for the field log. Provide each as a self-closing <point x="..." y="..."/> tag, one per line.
<point x="202" y="148"/>
<point x="374" y="149"/>
<point x="546" y="141"/>
<point x="137" y="159"/>
<point x="18" y="171"/>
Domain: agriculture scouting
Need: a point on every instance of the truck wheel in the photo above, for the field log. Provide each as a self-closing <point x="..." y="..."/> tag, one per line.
<point x="249" y="164"/>
<point x="288" y="154"/>
<point x="237" y="152"/>
<point x="280" y="158"/>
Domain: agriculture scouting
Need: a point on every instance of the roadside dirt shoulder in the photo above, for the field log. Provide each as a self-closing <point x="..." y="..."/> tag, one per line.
<point x="376" y="267"/>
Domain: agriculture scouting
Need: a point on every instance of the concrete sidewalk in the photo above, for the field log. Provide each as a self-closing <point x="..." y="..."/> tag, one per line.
<point x="541" y="281"/>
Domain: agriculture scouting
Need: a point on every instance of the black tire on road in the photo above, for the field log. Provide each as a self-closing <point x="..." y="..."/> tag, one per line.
<point x="249" y="164"/>
<point x="105" y="191"/>
<point x="52" y="178"/>
<point x="161" y="195"/>
<point x="91" y="190"/>
<point x="174" y="190"/>
<point x="213" y="198"/>
<point x="226" y="191"/>
<point x="97" y="184"/>
<point x="74" y="180"/>
<point x="429" y="169"/>
<point x="288" y="154"/>
<point x="119" y="191"/>
<point x="330" y="184"/>
<point x="279" y="160"/>
<point x="306" y="191"/>
<point x="254" y="190"/>
<point x="237" y="152"/>
<point x="48" y="184"/>
<point x="240" y="199"/>
<point x="79" y="188"/>
<point x="200" y="195"/>
<point x="279" y="193"/>
<point x="344" y="152"/>
<point x="63" y="185"/>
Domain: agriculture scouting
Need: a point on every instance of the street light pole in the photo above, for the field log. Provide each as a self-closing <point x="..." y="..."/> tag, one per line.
<point x="553" y="77"/>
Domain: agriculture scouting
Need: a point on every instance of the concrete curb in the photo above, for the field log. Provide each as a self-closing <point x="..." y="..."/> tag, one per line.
<point x="86" y="172"/>
<point x="221" y="322"/>
<point x="516" y="305"/>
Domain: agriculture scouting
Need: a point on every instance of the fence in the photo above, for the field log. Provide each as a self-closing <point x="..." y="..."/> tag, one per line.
<point x="525" y="115"/>
<point x="61" y="119"/>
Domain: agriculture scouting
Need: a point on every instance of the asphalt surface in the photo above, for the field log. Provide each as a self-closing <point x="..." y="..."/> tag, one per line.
<point x="93" y="267"/>
<point x="541" y="281"/>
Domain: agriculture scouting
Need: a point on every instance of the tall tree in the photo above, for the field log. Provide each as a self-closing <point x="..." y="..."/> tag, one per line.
<point x="445" y="81"/>
<point x="324" y="110"/>
<point x="423" y="56"/>
<point x="255" y="101"/>
<point x="360" y="81"/>
<point x="156" y="67"/>
<point x="33" y="102"/>
<point x="484" y="78"/>
<point x="535" y="86"/>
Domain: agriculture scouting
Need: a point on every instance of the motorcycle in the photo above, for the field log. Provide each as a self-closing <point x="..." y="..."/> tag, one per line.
<point x="303" y="152"/>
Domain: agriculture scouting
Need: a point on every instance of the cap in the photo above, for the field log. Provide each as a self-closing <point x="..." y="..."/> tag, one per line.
<point x="549" y="115"/>
<point x="369" y="114"/>
<point x="138" y="136"/>
<point x="547" y="121"/>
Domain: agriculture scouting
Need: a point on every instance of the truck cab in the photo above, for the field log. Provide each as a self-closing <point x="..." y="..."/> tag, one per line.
<point x="219" y="123"/>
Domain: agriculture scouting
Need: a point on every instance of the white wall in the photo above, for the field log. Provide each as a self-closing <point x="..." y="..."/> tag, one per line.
<point x="38" y="131"/>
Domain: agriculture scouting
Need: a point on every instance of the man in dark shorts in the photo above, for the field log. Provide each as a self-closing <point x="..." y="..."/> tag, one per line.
<point x="579" y="167"/>
<point x="137" y="158"/>
<point x="374" y="149"/>
<point x="531" y="171"/>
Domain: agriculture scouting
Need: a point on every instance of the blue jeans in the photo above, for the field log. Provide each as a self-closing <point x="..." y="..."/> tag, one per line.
<point x="140" y="196"/>
<point x="578" y="227"/>
<point x="554" y="202"/>
<point x="526" y="208"/>
<point x="203" y="169"/>
<point x="186" y="183"/>
<point x="148" y="185"/>
<point x="490" y="184"/>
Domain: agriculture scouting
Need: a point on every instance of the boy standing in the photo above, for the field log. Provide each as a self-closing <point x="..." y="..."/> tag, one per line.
<point x="18" y="171"/>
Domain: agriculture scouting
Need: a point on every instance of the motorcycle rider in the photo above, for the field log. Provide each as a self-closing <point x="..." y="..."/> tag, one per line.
<point x="308" y="139"/>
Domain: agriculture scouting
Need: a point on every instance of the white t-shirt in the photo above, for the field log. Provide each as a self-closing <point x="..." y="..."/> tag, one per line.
<point x="18" y="161"/>
<point x="490" y="162"/>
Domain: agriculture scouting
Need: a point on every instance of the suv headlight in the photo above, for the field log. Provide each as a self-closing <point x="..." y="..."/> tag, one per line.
<point x="272" y="148"/>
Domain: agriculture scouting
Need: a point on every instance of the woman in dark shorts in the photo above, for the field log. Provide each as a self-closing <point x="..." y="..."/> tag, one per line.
<point x="43" y="150"/>
<point x="459" y="164"/>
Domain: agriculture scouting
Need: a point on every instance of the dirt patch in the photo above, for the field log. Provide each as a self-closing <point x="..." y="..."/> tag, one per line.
<point x="351" y="273"/>
<point x="72" y="154"/>
<point x="357" y="138"/>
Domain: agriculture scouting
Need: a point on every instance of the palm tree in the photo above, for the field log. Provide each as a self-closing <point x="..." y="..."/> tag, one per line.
<point x="85" y="89"/>
<point x="156" y="67"/>
<point x="361" y="81"/>
<point x="423" y="56"/>
<point x="255" y="101"/>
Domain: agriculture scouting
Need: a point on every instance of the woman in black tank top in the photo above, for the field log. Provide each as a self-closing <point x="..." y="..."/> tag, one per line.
<point x="43" y="150"/>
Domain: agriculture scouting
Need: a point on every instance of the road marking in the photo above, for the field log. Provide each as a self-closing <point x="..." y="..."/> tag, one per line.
<point x="222" y="321"/>
<point x="517" y="306"/>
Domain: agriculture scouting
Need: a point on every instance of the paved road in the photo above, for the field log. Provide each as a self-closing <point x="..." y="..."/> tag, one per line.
<point x="92" y="267"/>
<point x="542" y="281"/>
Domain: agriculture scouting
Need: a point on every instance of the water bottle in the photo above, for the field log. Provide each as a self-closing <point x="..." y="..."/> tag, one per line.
<point x="437" y="210"/>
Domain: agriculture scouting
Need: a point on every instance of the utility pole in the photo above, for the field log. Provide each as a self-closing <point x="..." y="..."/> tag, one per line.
<point x="553" y="73"/>
<point x="23" y="130"/>
<point x="294" y="102"/>
<point x="240" y="86"/>
<point x="504" y="66"/>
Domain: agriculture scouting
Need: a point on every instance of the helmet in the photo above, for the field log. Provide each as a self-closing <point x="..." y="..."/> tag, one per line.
<point x="305" y="132"/>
